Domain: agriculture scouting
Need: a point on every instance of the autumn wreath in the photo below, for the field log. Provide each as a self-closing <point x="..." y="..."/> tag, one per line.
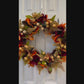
<point x="31" y="26"/>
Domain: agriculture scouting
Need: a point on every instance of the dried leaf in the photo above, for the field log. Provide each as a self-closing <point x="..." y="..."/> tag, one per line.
<point x="30" y="30"/>
<point x="61" y="66"/>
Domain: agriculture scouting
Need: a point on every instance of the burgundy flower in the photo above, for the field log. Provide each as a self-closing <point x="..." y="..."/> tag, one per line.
<point x="50" y="59"/>
<point x="35" y="60"/>
<point x="42" y="18"/>
<point x="62" y="27"/>
<point x="61" y="33"/>
<point x="63" y="53"/>
<point x="20" y="40"/>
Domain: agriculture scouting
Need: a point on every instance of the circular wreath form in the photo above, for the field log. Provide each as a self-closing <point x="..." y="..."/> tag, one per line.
<point x="31" y="26"/>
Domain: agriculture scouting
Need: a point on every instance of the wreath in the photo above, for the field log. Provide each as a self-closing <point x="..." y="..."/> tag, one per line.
<point x="32" y="25"/>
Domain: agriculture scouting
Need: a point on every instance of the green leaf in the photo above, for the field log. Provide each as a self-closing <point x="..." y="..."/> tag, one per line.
<point x="27" y="43"/>
<point x="39" y="62"/>
<point x="29" y="16"/>
<point x="26" y="27"/>
<point x="59" y="52"/>
<point x="53" y="18"/>
<point x="49" y="69"/>
<point x="43" y="62"/>
<point x="38" y="31"/>
<point x="41" y="51"/>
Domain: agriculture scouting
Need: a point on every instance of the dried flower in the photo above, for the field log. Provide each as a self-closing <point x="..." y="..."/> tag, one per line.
<point x="35" y="60"/>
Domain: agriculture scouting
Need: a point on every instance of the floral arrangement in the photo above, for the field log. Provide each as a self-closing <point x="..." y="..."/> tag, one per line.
<point x="31" y="26"/>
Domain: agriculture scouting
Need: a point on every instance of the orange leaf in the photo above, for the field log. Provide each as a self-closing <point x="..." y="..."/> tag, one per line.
<point x="19" y="51"/>
<point x="19" y="38"/>
<point x="55" y="38"/>
<point x="42" y="65"/>
<point x="49" y="33"/>
<point x="62" y="25"/>
<point x="31" y="38"/>
<point x="64" y="59"/>
<point x="34" y="53"/>
<point x="28" y="21"/>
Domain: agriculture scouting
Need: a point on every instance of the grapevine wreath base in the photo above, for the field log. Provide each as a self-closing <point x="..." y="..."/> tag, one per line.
<point x="31" y="26"/>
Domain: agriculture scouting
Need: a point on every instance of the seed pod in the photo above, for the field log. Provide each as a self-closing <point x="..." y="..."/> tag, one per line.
<point x="42" y="28"/>
<point x="54" y="25"/>
<point x="58" y="57"/>
<point x="25" y="58"/>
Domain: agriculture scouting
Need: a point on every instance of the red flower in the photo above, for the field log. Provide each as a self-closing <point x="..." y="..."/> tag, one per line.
<point x="50" y="59"/>
<point x="63" y="53"/>
<point x="20" y="40"/>
<point x="42" y="18"/>
<point x="62" y="27"/>
<point x="35" y="60"/>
